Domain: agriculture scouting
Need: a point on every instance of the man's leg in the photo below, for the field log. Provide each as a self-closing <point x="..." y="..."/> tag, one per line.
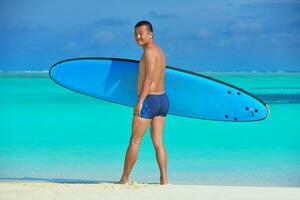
<point x="139" y="127"/>
<point x="157" y="126"/>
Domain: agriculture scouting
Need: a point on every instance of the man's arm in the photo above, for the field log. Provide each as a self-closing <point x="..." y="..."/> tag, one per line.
<point x="149" y="58"/>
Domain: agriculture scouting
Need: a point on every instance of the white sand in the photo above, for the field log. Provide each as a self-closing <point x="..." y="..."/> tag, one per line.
<point x="138" y="191"/>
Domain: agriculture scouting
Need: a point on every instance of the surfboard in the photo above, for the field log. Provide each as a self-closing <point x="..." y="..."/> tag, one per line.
<point x="190" y="94"/>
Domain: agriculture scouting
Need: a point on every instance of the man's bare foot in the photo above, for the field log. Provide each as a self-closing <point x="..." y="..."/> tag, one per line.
<point x="164" y="180"/>
<point x="123" y="181"/>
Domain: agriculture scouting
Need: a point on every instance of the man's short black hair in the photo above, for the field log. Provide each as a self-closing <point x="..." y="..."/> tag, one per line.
<point x="146" y="23"/>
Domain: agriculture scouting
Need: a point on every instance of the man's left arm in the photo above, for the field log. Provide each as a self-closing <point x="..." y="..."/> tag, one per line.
<point x="149" y="59"/>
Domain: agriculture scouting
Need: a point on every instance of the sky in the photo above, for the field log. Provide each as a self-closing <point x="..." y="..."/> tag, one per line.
<point x="206" y="35"/>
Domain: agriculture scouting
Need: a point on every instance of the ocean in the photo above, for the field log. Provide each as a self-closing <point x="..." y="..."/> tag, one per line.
<point x="49" y="133"/>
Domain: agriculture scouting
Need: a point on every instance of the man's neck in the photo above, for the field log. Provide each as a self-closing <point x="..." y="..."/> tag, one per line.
<point x="147" y="45"/>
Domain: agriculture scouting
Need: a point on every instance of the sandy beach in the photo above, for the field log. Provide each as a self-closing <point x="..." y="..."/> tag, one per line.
<point x="137" y="191"/>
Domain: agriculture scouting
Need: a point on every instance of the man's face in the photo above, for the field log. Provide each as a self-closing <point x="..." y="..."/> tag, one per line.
<point x="142" y="35"/>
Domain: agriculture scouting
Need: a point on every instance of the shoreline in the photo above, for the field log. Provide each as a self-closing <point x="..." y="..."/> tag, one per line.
<point x="110" y="191"/>
<point x="153" y="182"/>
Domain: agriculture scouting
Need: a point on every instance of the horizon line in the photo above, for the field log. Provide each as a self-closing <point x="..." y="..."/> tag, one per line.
<point x="204" y="71"/>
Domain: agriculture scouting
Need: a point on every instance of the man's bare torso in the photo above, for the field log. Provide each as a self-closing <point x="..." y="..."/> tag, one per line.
<point x="157" y="86"/>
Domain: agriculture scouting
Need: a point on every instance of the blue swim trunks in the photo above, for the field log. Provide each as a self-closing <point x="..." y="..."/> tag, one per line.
<point x="155" y="105"/>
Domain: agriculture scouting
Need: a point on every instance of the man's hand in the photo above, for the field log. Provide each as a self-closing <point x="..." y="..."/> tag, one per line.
<point x="137" y="109"/>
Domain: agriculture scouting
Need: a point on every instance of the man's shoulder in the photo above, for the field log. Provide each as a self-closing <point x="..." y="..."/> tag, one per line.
<point x="153" y="49"/>
<point x="149" y="52"/>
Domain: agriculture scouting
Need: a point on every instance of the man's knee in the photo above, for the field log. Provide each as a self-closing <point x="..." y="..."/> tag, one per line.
<point x="135" y="142"/>
<point x="157" y="143"/>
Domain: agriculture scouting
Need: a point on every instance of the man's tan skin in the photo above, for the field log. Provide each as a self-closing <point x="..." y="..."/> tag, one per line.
<point x="151" y="81"/>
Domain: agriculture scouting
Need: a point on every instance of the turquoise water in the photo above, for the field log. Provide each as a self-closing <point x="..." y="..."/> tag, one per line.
<point x="48" y="132"/>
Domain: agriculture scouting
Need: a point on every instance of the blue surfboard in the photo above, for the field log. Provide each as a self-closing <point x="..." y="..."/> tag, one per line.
<point x="190" y="94"/>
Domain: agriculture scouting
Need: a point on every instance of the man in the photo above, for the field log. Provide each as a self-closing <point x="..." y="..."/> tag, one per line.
<point x="152" y="106"/>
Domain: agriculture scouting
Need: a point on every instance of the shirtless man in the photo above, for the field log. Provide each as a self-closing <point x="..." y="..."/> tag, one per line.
<point x="152" y="106"/>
